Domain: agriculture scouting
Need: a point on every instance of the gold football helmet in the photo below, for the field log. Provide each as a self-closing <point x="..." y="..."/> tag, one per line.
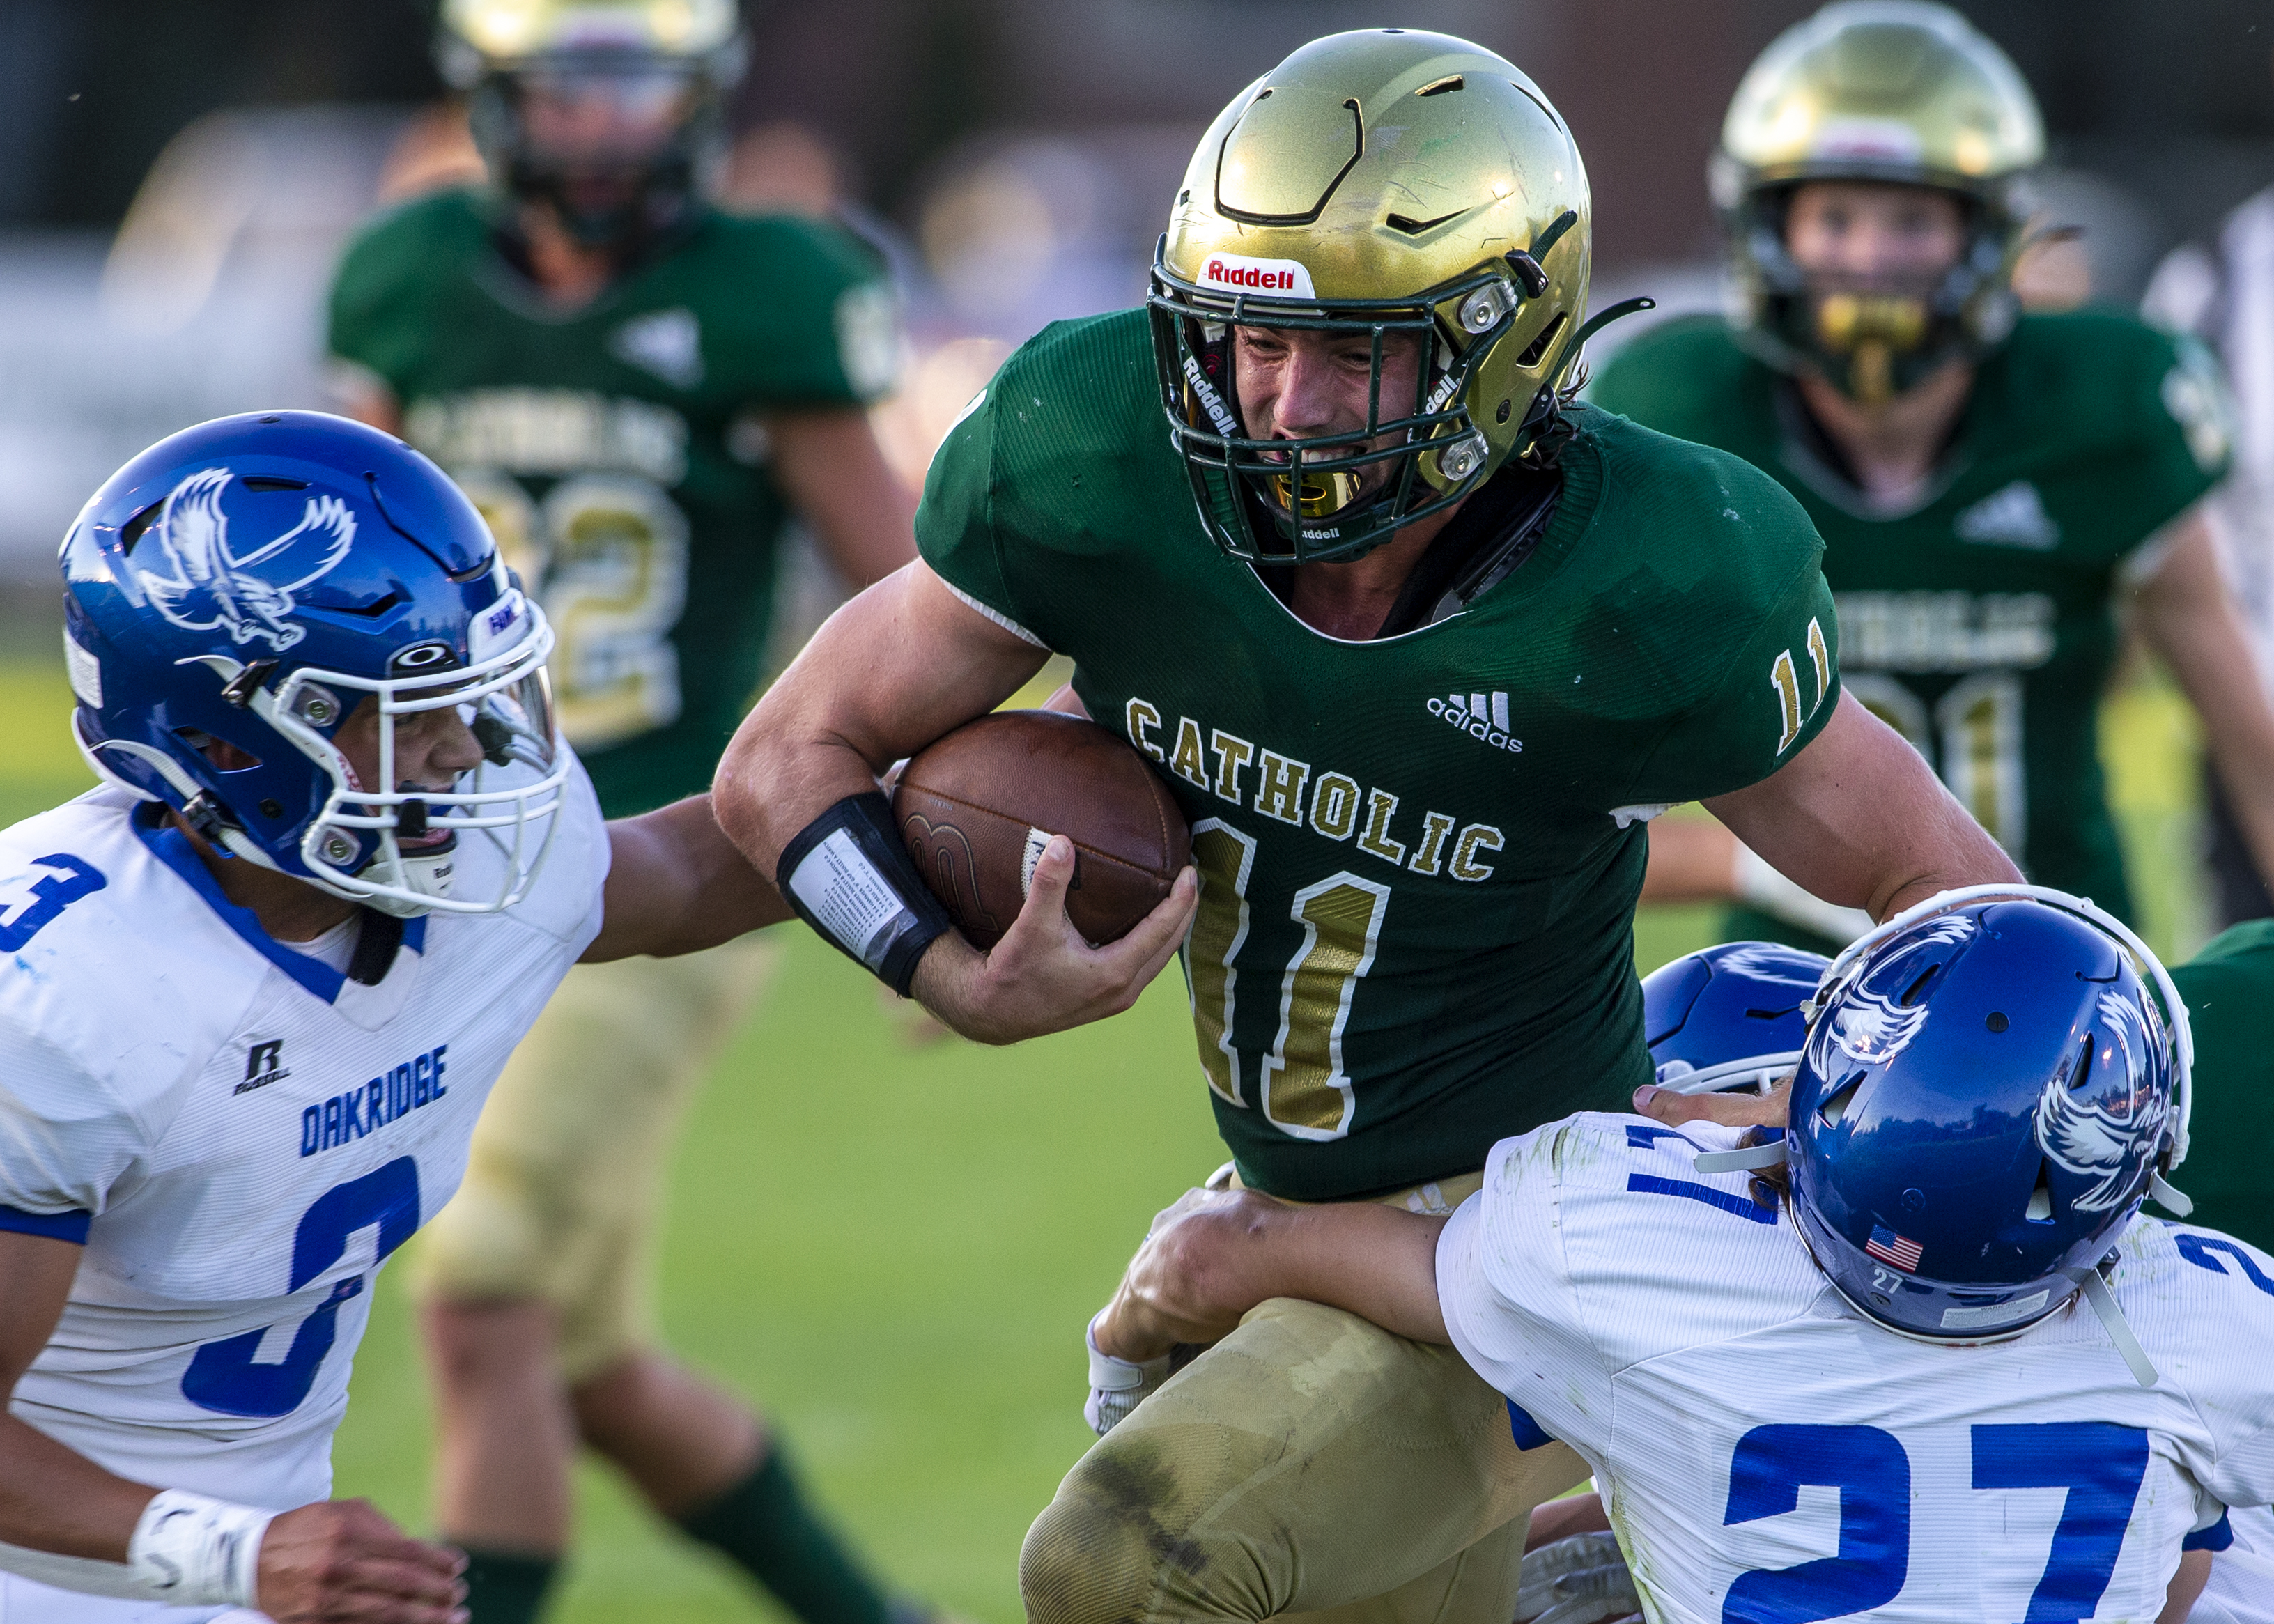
<point x="1898" y="91"/>
<point x="610" y="110"/>
<point x="1378" y="182"/>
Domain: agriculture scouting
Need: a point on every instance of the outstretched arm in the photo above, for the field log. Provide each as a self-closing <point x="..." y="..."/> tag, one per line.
<point x="1859" y="819"/>
<point x="1216" y="1255"/>
<point x="676" y="885"/>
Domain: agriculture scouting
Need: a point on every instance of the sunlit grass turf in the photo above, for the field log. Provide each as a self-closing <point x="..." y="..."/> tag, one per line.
<point x="895" y="1251"/>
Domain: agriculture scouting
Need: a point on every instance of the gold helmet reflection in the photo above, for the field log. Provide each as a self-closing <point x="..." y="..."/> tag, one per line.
<point x="1382" y="183"/>
<point x="493" y="49"/>
<point x="1895" y="91"/>
<point x="498" y="35"/>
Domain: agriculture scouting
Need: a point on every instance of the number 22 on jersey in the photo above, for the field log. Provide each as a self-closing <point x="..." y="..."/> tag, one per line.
<point x="1303" y="1088"/>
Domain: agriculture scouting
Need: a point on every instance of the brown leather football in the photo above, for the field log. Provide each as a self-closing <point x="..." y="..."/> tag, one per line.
<point x="976" y="808"/>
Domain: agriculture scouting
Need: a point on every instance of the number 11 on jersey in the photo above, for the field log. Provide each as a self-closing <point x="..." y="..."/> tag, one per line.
<point x="1302" y="1086"/>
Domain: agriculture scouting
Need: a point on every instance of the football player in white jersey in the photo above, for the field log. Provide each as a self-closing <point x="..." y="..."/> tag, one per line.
<point x="1882" y="1366"/>
<point x="254" y="991"/>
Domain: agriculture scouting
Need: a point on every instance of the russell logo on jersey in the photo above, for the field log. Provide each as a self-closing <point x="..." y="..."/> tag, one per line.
<point x="264" y="1063"/>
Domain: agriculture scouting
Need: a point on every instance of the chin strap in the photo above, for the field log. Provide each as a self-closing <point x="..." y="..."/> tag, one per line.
<point x="1751" y="1158"/>
<point x="2111" y="1320"/>
<point x="2174" y="1201"/>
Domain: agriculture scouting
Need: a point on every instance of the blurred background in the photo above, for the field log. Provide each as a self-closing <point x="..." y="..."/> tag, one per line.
<point x="895" y="1246"/>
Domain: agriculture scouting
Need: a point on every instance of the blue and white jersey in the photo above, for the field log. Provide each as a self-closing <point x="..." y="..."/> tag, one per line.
<point x="238" y="1133"/>
<point x="1767" y="1453"/>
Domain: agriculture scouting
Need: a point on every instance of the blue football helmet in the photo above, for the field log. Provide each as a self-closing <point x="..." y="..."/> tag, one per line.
<point x="250" y="582"/>
<point x="1991" y="1084"/>
<point x="1730" y="1017"/>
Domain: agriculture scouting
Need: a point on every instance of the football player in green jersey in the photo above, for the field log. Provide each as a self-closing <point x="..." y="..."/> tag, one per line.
<point x="1420" y="646"/>
<point x="1987" y="484"/>
<point x="638" y="389"/>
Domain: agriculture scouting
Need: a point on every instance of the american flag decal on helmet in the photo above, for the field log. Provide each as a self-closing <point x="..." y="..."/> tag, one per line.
<point x="1890" y="1247"/>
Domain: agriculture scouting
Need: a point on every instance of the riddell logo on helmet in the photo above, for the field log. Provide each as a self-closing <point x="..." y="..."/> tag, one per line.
<point x="1253" y="275"/>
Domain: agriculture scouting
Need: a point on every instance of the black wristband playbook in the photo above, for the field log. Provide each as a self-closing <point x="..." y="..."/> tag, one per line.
<point x="848" y="877"/>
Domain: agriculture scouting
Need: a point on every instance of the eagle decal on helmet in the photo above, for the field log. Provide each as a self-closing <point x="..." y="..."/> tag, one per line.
<point x="2113" y="1147"/>
<point x="1873" y="1027"/>
<point x="212" y="587"/>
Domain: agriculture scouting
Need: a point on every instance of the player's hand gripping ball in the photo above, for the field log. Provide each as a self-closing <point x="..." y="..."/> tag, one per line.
<point x="977" y="807"/>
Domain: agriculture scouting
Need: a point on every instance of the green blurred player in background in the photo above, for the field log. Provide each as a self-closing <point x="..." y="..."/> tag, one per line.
<point x="638" y="390"/>
<point x="1988" y="486"/>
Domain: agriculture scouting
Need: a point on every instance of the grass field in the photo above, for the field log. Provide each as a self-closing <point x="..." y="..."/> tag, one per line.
<point x="894" y="1250"/>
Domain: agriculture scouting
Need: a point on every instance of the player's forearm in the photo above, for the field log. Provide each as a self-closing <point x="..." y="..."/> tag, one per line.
<point x="1197" y="1275"/>
<point x="54" y="1498"/>
<point x="892" y="671"/>
<point x="676" y="885"/>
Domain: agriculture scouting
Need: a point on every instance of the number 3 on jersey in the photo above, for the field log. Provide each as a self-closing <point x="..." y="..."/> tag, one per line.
<point x="1304" y="1090"/>
<point x="224" y="1376"/>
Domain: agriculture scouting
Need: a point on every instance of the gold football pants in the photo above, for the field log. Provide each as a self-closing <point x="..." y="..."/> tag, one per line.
<point x="1311" y="1463"/>
<point x="564" y="1182"/>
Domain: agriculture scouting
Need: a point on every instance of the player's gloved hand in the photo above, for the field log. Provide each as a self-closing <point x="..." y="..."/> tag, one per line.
<point x="1581" y="1580"/>
<point x="1041" y="976"/>
<point x="344" y="1559"/>
<point x="1118" y="1385"/>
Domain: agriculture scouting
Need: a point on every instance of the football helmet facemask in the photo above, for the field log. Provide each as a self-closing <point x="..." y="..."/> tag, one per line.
<point x="1898" y="91"/>
<point x="237" y="593"/>
<point x="610" y="111"/>
<point x="1406" y="189"/>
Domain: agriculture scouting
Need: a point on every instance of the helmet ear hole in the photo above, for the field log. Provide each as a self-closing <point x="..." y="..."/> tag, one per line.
<point x="1834" y="1109"/>
<point x="132" y="531"/>
<point x="1538" y="347"/>
<point x="1913" y="993"/>
<point x="2040" y="1210"/>
<point x="2084" y="1072"/>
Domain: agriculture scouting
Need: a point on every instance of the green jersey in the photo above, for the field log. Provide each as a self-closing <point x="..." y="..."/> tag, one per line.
<point x="618" y="451"/>
<point x="2229" y="990"/>
<point x="1418" y="855"/>
<point x="1978" y="621"/>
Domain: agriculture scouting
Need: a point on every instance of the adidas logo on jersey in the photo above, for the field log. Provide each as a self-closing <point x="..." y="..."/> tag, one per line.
<point x="1480" y="716"/>
<point x="668" y="343"/>
<point x="2013" y="517"/>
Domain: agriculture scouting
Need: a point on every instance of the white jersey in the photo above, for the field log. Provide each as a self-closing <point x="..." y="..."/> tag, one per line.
<point x="1767" y="1453"/>
<point x="2242" y="1588"/>
<point x="239" y="1133"/>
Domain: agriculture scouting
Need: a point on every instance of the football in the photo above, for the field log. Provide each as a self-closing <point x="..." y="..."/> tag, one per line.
<point x="976" y="808"/>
